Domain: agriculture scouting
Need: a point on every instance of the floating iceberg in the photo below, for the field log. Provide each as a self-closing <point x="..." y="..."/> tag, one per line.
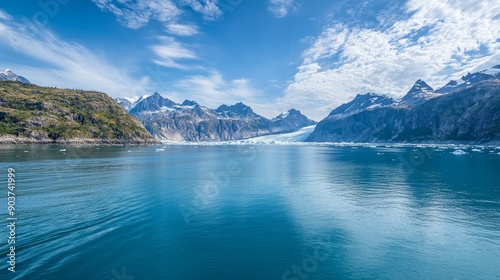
<point x="459" y="152"/>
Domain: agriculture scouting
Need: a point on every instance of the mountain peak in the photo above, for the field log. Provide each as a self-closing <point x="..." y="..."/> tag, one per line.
<point x="421" y="84"/>
<point x="420" y="92"/>
<point x="240" y="105"/>
<point x="189" y="103"/>
<point x="237" y="110"/>
<point x="361" y="103"/>
<point x="292" y="113"/>
<point x="8" y="75"/>
<point x="471" y="79"/>
<point x="293" y="116"/>
<point x="152" y="103"/>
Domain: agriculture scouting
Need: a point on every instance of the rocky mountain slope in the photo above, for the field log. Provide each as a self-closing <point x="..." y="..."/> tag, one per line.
<point x="34" y="114"/>
<point x="360" y="103"/>
<point x="459" y="112"/>
<point x="189" y="121"/>
<point x="8" y="75"/>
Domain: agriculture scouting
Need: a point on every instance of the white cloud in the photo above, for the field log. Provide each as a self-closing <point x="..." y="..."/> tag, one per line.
<point x="65" y="64"/>
<point x="4" y="16"/>
<point x="137" y="13"/>
<point x="207" y="8"/>
<point x="213" y="90"/>
<point x="437" y="40"/>
<point x="282" y="8"/>
<point x="182" y="29"/>
<point x="169" y="51"/>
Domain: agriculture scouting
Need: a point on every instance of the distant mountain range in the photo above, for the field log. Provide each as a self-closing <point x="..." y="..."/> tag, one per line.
<point x="189" y="121"/>
<point x="463" y="111"/>
<point x="467" y="110"/>
<point x="8" y="75"/>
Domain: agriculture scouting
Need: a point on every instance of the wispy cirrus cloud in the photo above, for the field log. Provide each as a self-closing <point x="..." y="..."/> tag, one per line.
<point x="4" y="16"/>
<point x="282" y="8"/>
<point x="435" y="41"/>
<point x="213" y="90"/>
<point x="182" y="29"/>
<point x="169" y="52"/>
<point x="61" y="63"/>
<point x="138" y="13"/>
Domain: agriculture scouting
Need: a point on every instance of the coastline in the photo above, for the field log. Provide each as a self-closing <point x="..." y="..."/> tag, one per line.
<point x="6" y="140"/>
<point x="16" y="140"/>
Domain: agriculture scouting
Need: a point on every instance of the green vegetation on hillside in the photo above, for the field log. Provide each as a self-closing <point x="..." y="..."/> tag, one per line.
<point x="52" y="114"/>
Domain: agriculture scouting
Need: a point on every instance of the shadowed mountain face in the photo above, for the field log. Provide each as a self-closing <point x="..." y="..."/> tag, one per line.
<point x="189" y="121"/>
<point x="470" y="113"/>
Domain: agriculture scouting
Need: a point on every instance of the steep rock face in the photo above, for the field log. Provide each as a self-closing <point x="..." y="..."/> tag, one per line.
<point x="469" y="115"/>
<point x="189" y="121"/>
<point x="31" y="113"/>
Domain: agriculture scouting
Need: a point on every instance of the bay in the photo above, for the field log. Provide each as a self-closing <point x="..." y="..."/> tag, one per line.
<point x="253" y="212"/>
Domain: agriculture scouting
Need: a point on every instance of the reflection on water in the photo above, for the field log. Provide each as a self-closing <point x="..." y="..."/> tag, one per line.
<point x="264" y="212"/>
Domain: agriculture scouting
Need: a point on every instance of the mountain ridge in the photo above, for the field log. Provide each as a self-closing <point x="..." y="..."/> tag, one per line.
<point x="190" y="121"/>
<point x="469" y="114"/>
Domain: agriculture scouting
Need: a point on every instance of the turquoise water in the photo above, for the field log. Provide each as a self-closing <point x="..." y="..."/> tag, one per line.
<point x="242" y="212"/>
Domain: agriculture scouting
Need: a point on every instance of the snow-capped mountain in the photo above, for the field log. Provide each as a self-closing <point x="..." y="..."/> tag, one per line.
<point x="470" y="79"/>
<point x="189" y="121"/>
<point x="360" y="103"/>
<point x="151" y="103"/>
<point x="130" y="102"/>
<point x="236" y="111"/>
<point x="419" y="93"/>
<point x="124" y="102"/>
<point x="467" y="113"/>
<point x="292" y="120"/>
<point x="8" y="75"/>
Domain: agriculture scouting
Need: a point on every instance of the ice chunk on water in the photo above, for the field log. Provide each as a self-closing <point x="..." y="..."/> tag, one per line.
<point x="459" y="152"/>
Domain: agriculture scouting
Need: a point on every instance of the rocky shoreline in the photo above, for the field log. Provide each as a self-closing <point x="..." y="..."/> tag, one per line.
<point x="16" y="140"/>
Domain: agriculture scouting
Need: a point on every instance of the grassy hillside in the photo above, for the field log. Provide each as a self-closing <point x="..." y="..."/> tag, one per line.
<point x="40" y="114"/>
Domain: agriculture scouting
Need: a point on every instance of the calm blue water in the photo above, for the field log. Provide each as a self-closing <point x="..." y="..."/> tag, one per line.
<point x="264" y="212"/>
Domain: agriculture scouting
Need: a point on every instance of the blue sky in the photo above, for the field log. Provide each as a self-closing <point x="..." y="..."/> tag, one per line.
<point x="271" y="54"/>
